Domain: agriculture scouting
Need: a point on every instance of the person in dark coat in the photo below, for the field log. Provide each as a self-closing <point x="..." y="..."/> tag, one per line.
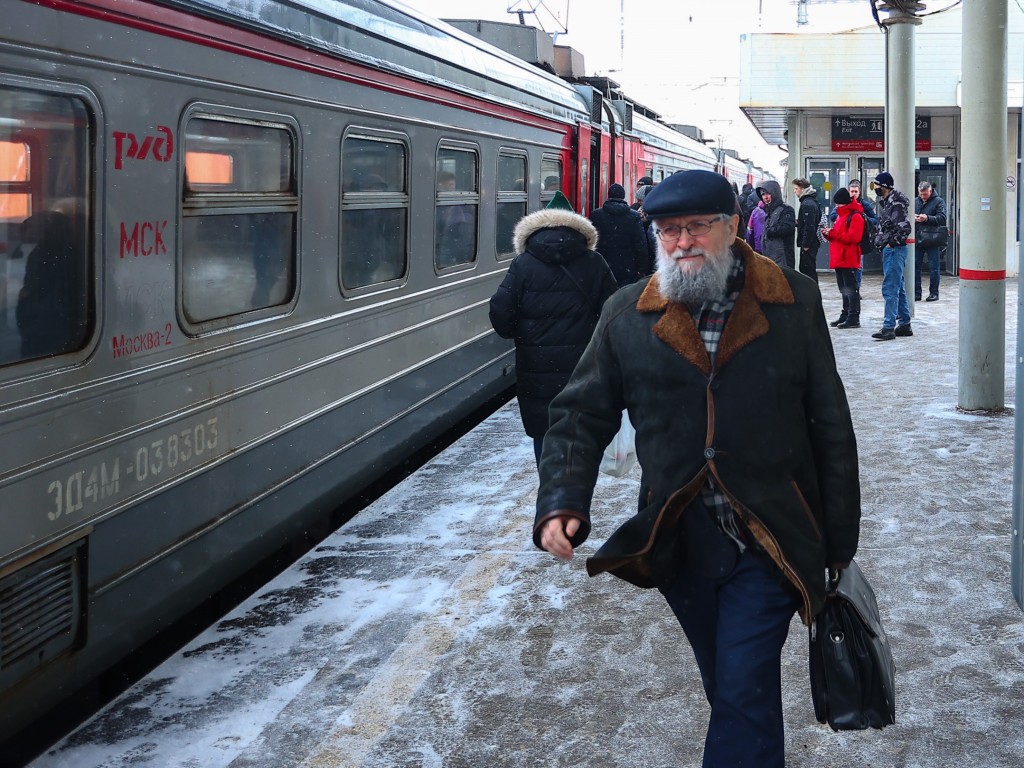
<point x="620" y="237"/>
<point x="549" y="302"/>
<point x="844" y="255"/>
<point x="748" y="202"/>
<point x="808" y="219"/>
<point x="652" y="240"/>
<point x="779" y="225"/>
<point x="51" y="313"/>
<point x="749" y="485"/>
<point x="931" y="236"/>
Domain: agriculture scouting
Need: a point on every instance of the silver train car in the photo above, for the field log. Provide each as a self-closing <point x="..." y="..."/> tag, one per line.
<point x="246" y="252"/>
<point x="244" y="271"/>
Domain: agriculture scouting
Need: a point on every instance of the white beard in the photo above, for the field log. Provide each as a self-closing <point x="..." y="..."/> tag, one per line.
<point x="693" y="287"/>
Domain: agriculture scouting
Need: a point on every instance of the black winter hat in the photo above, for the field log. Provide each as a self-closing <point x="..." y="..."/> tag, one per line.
<point x="884" y="179"/>
<point x="687" y="192"/>
<point x="644" y="181"/>
<point x="842" y="196"/>
<point x="616" y="192"/>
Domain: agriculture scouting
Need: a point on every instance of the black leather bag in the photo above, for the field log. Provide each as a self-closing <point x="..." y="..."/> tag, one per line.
<point x="930" y="236"/>
<point x="853" y="676"/>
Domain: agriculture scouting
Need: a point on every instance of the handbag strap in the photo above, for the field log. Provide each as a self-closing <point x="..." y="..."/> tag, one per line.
<point x="590" y="301"/>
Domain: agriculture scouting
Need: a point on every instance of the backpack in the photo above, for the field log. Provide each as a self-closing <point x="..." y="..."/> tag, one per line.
<point x="867" y="240"/>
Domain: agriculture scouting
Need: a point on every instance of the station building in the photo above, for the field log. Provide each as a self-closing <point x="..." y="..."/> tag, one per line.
<point x="822" y="97"/>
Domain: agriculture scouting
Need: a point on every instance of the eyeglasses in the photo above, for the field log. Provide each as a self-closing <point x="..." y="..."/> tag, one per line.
<point x="695" y="229"/>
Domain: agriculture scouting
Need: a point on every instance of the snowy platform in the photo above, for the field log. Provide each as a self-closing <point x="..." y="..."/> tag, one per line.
<point x="429" y="632"/>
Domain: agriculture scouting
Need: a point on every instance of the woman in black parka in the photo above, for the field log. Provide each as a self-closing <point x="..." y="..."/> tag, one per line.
<point x="549" y="303"/>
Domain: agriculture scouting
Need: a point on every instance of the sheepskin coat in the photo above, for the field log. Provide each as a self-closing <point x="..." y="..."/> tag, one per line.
<point x="768" y="419"/>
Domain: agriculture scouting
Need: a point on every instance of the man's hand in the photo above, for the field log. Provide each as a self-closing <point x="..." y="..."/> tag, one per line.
<point x="555" y="535"/>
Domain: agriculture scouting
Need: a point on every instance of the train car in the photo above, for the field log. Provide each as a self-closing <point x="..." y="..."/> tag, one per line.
<point x="630" y="145"/>
<point x="734" y="168"/>
<point x="662" y="150"/>
<point x="246" y="253"/>
<point x="758" y="176"/>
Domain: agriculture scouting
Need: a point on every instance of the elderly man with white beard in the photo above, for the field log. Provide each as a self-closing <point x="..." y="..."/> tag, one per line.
<point x="749" y="486"/>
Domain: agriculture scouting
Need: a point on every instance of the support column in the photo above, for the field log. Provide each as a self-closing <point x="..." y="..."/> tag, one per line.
<point x="900" y="118"/>
<point x="795" y="145"/>
<point x="983" y="206"/>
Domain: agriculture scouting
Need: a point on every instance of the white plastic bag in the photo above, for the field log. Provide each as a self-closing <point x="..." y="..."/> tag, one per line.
<point x="620" y="455"/>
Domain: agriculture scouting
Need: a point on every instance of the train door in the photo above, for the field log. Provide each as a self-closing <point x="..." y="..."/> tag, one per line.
<point x="940" y="171"/>
<point x="581" y="188"/>
<point x="826" y="176"/>
<point x="598" y="173"/>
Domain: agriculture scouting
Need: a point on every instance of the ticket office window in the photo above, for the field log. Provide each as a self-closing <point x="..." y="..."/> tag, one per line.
<point x="374" y="210"/>
<point x="46" y="267"/>
<point x="511" y="202"/>
<point x="239" y="214"/>
<point x="457" y="205"/>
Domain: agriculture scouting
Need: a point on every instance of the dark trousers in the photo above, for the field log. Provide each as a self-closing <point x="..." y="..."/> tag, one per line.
<point x="809" y="262"/>
<point x="846" y="279"/>
<point x="929" y="256"/>
<point x="538" y="447"/>
<point x="737" y="627"/>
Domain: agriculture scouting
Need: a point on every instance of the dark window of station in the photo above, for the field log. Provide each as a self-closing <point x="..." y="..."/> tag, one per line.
<point x="511" y="201"/>
<point x="46" y="268"/>
<point x="551" y="178"/>
<point x="374" y="210"/>
<point x="457" y="207"/>
<point x="239" y="213"/>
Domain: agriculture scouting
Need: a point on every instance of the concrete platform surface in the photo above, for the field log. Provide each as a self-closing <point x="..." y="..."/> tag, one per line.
<point x="429" y="632"/>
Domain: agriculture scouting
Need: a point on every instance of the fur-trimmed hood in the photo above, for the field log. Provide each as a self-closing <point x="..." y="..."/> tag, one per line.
<point x="553" y="219"/>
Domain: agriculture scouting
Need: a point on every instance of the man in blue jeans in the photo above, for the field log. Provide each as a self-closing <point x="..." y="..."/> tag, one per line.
<point x="893" y="230"/>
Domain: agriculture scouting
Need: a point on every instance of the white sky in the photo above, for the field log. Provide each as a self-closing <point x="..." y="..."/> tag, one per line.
<point x="677" y="57"/>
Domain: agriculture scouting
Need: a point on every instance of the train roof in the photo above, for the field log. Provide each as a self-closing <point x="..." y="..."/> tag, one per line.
<point x="389" y="35"/>
<point x="657" y="134"/>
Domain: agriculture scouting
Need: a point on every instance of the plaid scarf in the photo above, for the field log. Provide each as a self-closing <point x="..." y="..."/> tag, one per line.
<point x="710" y="319"/>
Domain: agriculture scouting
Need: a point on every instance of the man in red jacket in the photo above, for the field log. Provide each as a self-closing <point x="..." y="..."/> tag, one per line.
<point x="749" y="484"/>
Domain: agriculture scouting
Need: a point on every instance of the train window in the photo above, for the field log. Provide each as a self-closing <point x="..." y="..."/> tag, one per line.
<point x="15" y="197"/>
<point x="238" y="218"/>
<point x="551" y="177"/>
<point x="457" y="201"/>
<point x="511" y="203"/>
<point x="46" y="271"/>
<point x="374" y="210"/>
